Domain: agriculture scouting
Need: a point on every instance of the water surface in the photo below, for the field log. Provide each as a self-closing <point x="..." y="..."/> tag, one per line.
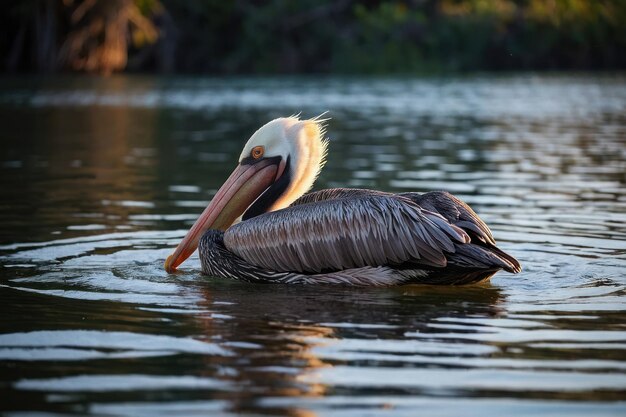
<point x="101" y="179"/>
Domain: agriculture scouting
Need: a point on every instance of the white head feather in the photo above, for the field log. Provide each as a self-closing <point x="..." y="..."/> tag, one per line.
<point x="300" y="141"/>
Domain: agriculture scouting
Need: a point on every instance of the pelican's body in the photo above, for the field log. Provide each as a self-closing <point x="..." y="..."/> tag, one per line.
<point x="334" y="236"/>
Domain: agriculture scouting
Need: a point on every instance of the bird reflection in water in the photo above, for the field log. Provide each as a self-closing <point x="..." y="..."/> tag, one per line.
<point x="285" y="334"/>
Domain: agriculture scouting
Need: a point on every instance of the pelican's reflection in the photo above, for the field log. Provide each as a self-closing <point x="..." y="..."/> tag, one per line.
<point x="276" y="332"/>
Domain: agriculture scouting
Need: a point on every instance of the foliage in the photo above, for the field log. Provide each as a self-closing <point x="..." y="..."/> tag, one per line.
<point x="87" y="35"/>
<point x="312" y="36"/>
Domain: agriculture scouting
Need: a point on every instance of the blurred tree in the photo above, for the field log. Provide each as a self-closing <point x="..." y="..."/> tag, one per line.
<point x="101" y="31"/>
<point x="81" y="35"/>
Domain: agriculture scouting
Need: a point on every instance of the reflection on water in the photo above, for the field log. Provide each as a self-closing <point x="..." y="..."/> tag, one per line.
<point x="101" y="178"/>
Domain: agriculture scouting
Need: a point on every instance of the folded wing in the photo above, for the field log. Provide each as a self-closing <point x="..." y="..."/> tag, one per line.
<point x="347" y="230"/>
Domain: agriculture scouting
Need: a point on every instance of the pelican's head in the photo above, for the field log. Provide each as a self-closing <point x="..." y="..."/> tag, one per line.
<point x="278" y="164"/>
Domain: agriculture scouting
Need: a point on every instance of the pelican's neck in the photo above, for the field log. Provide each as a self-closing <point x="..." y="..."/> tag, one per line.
<point x="307" y="158"/>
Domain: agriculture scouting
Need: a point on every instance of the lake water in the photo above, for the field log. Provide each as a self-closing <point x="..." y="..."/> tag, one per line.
<point x="102" y="177"/>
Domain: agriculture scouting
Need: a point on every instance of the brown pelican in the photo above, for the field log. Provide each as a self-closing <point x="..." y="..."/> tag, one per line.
<point x="262" y="227"/>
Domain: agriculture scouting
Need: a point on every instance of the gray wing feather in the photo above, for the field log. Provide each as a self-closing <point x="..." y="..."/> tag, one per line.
<point x="451" y="208"/>
<point x="351" y="231"/>
<point x="454" y="211"/>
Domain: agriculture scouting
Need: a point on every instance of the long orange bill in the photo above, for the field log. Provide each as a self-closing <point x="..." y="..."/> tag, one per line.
<point x="241" y="189"/>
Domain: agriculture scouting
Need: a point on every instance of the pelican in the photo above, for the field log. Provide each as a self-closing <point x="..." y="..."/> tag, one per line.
<point x="262" y="226"/>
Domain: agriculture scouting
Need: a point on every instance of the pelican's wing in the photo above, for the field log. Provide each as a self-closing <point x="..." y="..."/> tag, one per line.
<point x="448" y="206"/>
<point x="347" y="232"/>
<point x="454" y="211"/>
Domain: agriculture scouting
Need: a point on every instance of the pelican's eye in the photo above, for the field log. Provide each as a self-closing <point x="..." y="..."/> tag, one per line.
<point x="257" y="152"/>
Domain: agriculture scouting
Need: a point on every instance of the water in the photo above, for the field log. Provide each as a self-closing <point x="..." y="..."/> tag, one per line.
<point x="101" y="178"/>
